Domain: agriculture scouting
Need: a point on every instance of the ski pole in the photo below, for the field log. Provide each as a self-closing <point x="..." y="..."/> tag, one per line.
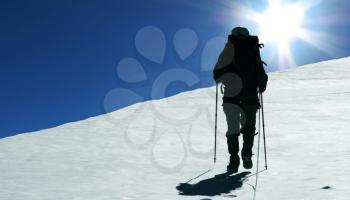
<point x="263" y="125"/>
<point x="216" y="120"/>
<point x="257" y="158"/>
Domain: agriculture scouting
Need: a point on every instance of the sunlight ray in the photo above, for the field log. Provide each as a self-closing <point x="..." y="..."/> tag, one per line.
<point x="315" y="37"/>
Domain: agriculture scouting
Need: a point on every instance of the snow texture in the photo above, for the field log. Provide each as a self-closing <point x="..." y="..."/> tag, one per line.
<point x="152" y="149"/>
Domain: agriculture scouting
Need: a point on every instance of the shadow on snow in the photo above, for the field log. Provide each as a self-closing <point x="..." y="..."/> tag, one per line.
<point x="217" y="185"/>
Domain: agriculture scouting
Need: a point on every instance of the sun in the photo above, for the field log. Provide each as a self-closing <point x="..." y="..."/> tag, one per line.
<point x="279" y="24"/>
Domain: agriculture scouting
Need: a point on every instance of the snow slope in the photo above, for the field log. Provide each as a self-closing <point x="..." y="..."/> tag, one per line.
<point x="150" y="150"/>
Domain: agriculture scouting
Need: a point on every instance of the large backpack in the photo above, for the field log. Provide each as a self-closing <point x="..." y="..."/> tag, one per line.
<point x="247" y="63"/>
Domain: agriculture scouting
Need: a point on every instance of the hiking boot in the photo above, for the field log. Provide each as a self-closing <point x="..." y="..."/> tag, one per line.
<point x="233" y="166"/>
<point x="247" y="162"/>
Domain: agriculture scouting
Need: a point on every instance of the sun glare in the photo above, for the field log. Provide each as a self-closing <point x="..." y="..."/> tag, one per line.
<point x="281" y="23"/>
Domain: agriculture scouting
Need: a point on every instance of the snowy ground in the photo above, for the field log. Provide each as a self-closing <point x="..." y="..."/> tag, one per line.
<point x="147" y="150"/>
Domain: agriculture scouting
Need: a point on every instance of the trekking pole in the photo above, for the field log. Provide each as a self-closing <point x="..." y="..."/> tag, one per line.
<point x="263" y="125"/>
<point x="257" y="158"/>
<point x="216" y="120"/>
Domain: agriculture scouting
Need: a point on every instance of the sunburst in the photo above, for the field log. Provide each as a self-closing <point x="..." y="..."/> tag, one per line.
<point x="279" y="24"/>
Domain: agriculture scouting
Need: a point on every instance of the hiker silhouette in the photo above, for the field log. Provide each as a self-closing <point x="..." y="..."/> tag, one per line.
<point x="241" y="73"/>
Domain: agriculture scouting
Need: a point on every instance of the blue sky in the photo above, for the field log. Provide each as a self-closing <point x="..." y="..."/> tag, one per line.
<point x="58" y="59"/>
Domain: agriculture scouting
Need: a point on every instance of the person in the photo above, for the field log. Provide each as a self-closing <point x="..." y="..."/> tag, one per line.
<point x="240" y="70"/>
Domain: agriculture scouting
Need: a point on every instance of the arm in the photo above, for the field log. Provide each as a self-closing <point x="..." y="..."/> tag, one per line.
<point x="226" y="57"/>
<point x="261" y="75"/>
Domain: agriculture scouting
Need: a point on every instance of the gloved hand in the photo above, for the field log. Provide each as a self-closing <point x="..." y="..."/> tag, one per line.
<point x="262" y="82"/>
<point x="216" y="77"/>
<point x="262" y="88"/>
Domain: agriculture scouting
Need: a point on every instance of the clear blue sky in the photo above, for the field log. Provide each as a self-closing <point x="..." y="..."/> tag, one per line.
<point x="58" y="58"/>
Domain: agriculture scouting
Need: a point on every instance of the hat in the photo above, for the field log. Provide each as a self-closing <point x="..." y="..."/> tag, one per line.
<point x="240" y="32"/>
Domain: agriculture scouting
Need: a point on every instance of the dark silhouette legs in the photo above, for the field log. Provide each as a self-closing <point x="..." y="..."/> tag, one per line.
<point x="233" y="149"/>
<point x="240" y="119"/>
<point x="248" y="129"/>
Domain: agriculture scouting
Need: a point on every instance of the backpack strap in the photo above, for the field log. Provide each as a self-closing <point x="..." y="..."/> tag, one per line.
<point x="259" y="45"/>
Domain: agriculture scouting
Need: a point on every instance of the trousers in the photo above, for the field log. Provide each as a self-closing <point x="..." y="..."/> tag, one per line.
<point x="240" y="118"/>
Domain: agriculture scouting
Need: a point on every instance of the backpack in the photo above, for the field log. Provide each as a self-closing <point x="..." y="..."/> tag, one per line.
<point x="247" y="64"/>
